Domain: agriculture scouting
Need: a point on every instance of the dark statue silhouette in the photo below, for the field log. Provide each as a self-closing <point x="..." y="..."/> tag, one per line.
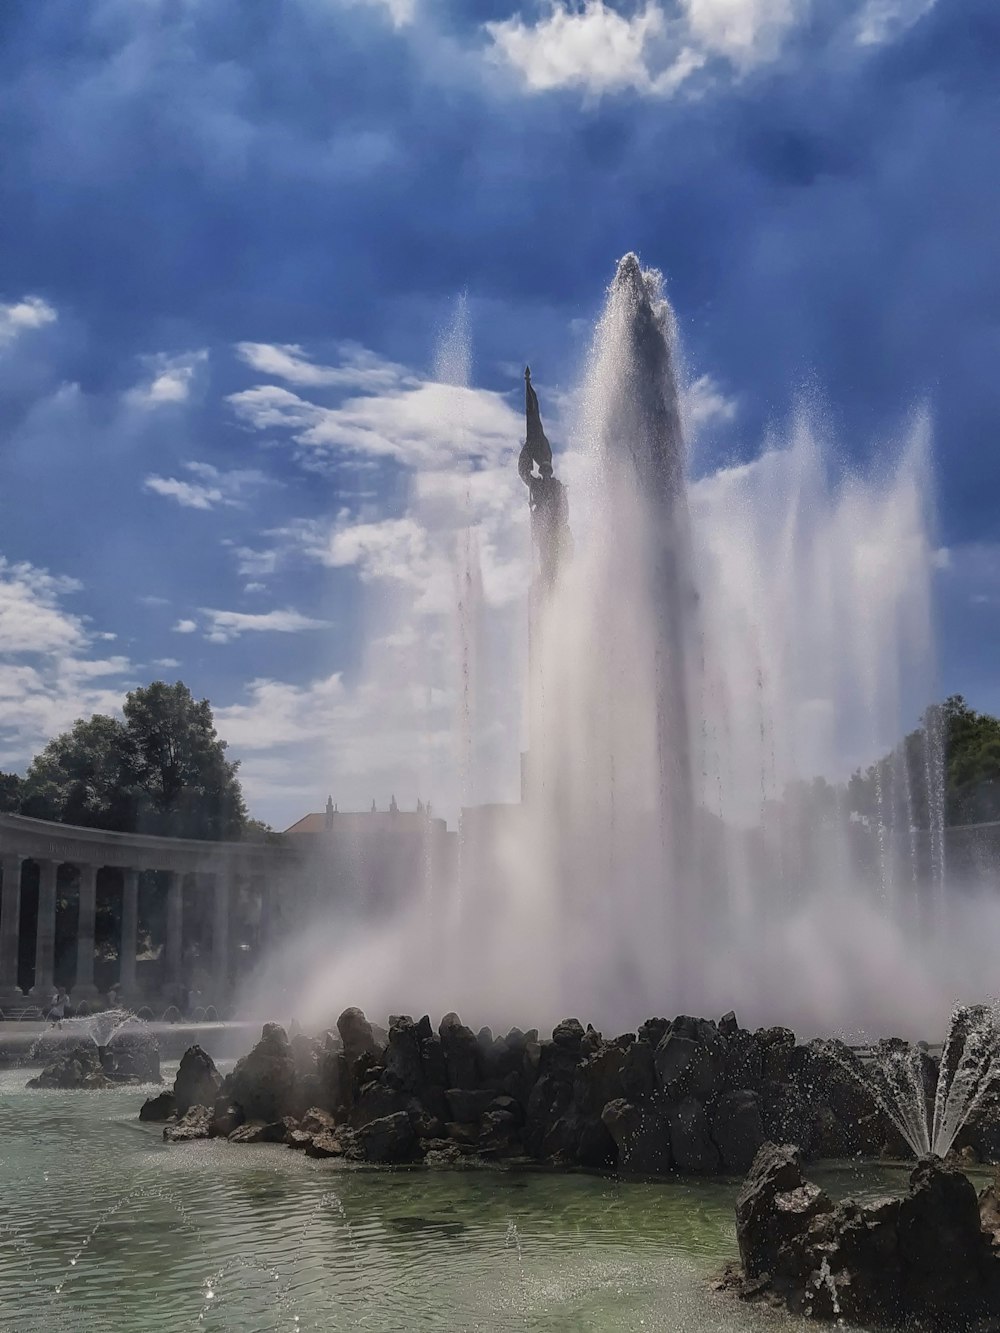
<point x="547" y="496"/>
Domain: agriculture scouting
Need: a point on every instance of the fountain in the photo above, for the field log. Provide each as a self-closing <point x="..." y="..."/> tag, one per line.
<point x="710" y="645"/>
<point x="93" y="1050"/>
<point x="928" y="1101"/>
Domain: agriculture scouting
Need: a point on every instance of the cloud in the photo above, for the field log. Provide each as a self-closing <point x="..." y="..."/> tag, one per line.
<point x="214" y="488"/>
<point x="31" y="312"/>
<point x="186" y="627"/>
<point x="883" y="21"/>
<point x="167" y="663"/>
<point x="359" y="368"/>
<point x="225" y="626"/>
<point x="170" y="380"/>
<point x="704" y="402"/>
<point x="415" y="423"/>
<point x="400" y="12"/>
<point x="48" y="676"/>
<point x="745" y="32"/>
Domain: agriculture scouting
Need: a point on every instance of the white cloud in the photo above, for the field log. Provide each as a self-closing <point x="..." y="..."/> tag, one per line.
<point x="170" y="379"/>
<point x="418" y="424"/>
<point x="214" y="488"/>
<point x="31" y="312"/>
<point x="594" y="48"/>
<point x="48" y="677"/>
<point x="225" y="626"/>
<point x="358" y="369"/>
<point x="167" y="663"/>
<point x="704" y="402"/>
<point x="185" y="627"/>
<point x="883" y="21"/>
<point x="745" y="32"/>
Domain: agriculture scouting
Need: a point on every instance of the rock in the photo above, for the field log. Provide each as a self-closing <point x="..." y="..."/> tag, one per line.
<point x="324" y="1144"/>
<point x="642" y="1138"/>
<point x="569" y="1035"/>
<point x="762" y="1225"/>
<point x="299" y="1138"/>
<point x="257" y="1132"/>
<point x="736" y="1129"/>
<point x="461" y="1052"/>
<point x="316" y="1120"/>
<point x="728" y="1025"/>
<point x="357" y="1035"/>
<point x="307" y="1059"/>
<point x="197" y="1082"/>
<point x="390" y="1139"/>
<point x="776" y="1047"/>
<point x="263" y="1082"/>
<point x="193" y="1124"/>
<point x="78" y="1067"/>
<point x="402" y="1057"/>
<point x="133" y="1057"/>
<point x="598" y="1080"/>
<point x="158" y="1109"/>
<point x="690" y="1142"/>
<point x="691" y="1059"/>
<point x="226" y="1116"/>
<point x="467" y="1105"/>
<point x="639" y="1072"/>
<point x="375" y="1102"/>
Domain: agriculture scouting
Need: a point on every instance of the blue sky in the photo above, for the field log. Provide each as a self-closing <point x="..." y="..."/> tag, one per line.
<point x="233" y="241"/>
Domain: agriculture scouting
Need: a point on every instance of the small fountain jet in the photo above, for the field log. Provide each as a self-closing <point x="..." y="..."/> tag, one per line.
<point x="547" y="495"/>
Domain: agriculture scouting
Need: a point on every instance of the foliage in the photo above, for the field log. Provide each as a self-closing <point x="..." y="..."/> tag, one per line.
<point x="160" y="769"/>
<point x="903" y="784"/>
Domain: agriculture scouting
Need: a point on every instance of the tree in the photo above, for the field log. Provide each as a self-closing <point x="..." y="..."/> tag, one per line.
<point x="952" y="758"/>
<point x="10" y="793"/>
<point x="161" y="769"/>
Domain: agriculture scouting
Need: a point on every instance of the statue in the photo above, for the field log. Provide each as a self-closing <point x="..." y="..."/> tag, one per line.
<point x="547" y="496"/>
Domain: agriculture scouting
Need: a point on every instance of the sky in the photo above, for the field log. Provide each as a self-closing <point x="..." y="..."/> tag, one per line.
<point x="269" y="274"/>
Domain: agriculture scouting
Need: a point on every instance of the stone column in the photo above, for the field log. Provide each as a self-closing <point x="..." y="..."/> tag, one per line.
<point x="175" y="929"/>
<point x="85" y="988"/>
<point x="45" y="936"/>
<point x="130" y="930"/>
<point x="10" y="925"/>
<point x="220" y="935"/>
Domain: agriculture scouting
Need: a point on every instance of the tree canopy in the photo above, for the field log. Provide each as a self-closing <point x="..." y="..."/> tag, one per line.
<point x="160" y="768"/>
<point x="952" y="738"/>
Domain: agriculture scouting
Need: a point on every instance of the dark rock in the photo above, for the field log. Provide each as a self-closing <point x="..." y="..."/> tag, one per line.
<point x="466" y="1135"/>
<point x="377" y="1101"/>
<point x="569" y="1035"/>
<point x="308" y="1062"/>
<point x="402" y="1057"/>
<point x="776" y="1047"/>
<point x="737" y="1131"/>
<point x="324" y="1144"/>
<point x="78" y="1068"/>
<point x="197" y="1082"/>
<point x="299" y="1138"/>
<point x="763" y="1224"/>
<point x="256" y="1132"/>
<point x="639" y="1072"/>
<point x="263" y="1082"/>
<point x="357" y="1035"/>
<point x="226" y="1116"/>
<point x="653" y="1031"/>
<point x="390" y="1139"/>
<point x="598" y="1080"/>
<point x="133" y="1057"/>
<point x="160" y="1108"/>
<point x="195" y="1123"/>
<point x="691" y="1059"/>
<point x="467" y="1105"/>
<point x="642" y="1137"/>
<point x="690" y="1141"/>
<point x="461" y="1052"/>
<point x="728" y="1025"/>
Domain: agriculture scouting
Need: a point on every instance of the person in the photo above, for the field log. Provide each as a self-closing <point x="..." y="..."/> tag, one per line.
<point x="113" y="997"/>
<point x="59" y="1003"/>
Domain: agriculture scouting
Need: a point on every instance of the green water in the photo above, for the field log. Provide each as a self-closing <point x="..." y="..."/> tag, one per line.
<point x="104" y="1227"/>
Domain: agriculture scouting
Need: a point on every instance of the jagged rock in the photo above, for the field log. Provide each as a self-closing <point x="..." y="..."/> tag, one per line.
<point x="467" y="1105"/>
<point x="639" y="1072"/>
<point x="307" y="1060"/>
<point x="776" y="1047"/>
<point x="598" y="1080"/>
<point x="193" y="1124"/>
<point x="159" y="1108"/>
<point x="691" y="1059"/>
<point x="299" y="1138"/>
<point x="263" y="1082"/>
<point x="728" y="1025"/>
<point x="375" y="1102"/>
<point x="390" y="1139"/>
<point x="773" y="1205"/>
<point x="737" y="1131"/>
<point x="257" y="1132"/>
<point x="461" y="1052"/>
<point x="690" y="1141"/>
<point x="226" y="1116"/>
<point x="402" y="1056"/>
<point x="133" y="1057"/>
<point x="325" y="1144"/>
<point x="79" y="1067"/>
<point x="356" y="1034"/>
<point x="316" y="1120"/>
<point x="642" y="1137"/>
<point x="197" y="1082"/>
<point x="569" y="1035"/>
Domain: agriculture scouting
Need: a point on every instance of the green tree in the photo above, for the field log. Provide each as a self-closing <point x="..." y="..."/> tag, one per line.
<point x="10" y="793"/>
<point x="160" y="769"/>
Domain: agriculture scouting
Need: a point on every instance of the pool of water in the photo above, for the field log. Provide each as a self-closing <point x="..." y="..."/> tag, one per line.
<point x="105" y="1227"/>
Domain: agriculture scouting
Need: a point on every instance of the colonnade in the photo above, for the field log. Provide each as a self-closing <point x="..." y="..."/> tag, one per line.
<point x="217" y="868"/>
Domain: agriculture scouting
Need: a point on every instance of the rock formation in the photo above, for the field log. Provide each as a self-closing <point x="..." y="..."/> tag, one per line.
<point x="927" y="1259"/>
